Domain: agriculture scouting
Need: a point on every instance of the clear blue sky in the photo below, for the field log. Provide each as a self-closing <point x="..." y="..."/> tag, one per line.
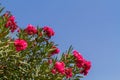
<point x="91" y="26"/>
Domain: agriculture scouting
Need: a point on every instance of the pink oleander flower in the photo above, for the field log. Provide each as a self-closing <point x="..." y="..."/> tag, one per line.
<point x="56" y="51"/>
<point x="68" y="72"/>
<point x="11" y="18"/>
<point x="60" y="67"/>
<point x="31" y="30"/>
<point x="79" y="60"/>
<point x="53" y="71"/>
<point x="11" y="23"/>
<point x="77" y="55"/>
<point x="79" y="63"/>
<point x="20" y="44"/>
<point x="82" y="63"/>
<point x="86" y="67"/>
<point x="49" y="31"/>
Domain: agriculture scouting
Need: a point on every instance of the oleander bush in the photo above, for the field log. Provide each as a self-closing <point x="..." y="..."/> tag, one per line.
<point x="30" y="54"/>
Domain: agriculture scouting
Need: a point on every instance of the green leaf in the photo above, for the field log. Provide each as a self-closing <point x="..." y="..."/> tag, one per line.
<point x="1" y="9"/>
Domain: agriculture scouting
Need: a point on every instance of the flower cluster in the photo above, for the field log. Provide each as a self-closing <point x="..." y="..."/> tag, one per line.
<point x="20" y="44"/>
<point x="31" y="29"/>
<point x="10" y="22"/>
<point x="68" y="72"/>
<point x="56" y="51"/>
<point x="49" y="31"/>
<point x="60" y="68"/>
<point x="82" y="63"/>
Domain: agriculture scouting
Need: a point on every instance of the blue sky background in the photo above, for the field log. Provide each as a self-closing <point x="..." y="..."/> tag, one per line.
<point x="91" y="26"/>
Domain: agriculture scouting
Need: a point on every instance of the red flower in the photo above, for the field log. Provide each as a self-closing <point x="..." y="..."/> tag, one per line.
<point x="60" y="67"/>
<point x="31" y="29"/>
<point x="56" y="51"/>
<point x="11" y="23"/>
<point x="20" y="44"/>
<point x="82" y="63"/>
<point x="68" y="72"/>
<point x="49" y="31"/>
<point x="53" y="71"/>
<point x="12" y="18"/>
<point x="77" y="55"/>
<point x="86" y="67"/>
<point x="78" y="59"/>
<point x="79" y="63"/>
